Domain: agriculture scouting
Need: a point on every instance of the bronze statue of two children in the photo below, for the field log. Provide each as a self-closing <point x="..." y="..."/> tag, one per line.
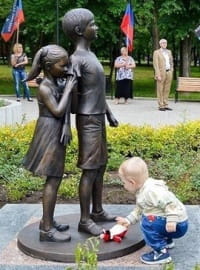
<point x="84" y="95"/>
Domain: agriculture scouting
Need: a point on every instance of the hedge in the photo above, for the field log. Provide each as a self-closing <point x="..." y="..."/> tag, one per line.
<point x="171" y="152"/>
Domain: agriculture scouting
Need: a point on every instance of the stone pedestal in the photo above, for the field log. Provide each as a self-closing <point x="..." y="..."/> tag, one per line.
<point x="28" y="242"/>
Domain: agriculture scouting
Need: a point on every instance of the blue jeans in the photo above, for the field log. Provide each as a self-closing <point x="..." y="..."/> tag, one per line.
<point x="19" y="75"/>
<point x="155" y="234"/>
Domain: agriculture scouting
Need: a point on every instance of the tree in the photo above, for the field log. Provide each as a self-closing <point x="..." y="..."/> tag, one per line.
<point x="179" y="18"/>
<point x="5" y="8"/>
<point x="174" y="20"/>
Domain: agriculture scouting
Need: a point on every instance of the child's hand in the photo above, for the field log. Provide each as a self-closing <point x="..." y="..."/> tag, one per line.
<point x="171" y="226"/>
<point x="71" y="82"/>
<point x="123" y="221"/>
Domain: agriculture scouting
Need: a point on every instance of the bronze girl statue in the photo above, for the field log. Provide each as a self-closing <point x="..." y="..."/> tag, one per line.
<point x="46" y="154"/>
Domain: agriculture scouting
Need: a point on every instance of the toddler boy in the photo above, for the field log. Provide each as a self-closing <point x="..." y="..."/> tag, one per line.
<point x="162" y="216"/>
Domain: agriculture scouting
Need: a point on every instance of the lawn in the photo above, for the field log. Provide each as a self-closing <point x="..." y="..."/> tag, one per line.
<point x="144" y="84"/>
<point x="6" y="81"/>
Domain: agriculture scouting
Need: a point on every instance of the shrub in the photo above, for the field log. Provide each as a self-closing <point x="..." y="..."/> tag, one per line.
<point x="172" y="153"/>
<point x="86" y="255"/>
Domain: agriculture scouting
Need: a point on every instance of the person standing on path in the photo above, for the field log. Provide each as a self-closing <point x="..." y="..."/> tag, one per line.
<point x="163" y="66"/>
<point x="18" y="62"/>
<point x="124" y="76"/>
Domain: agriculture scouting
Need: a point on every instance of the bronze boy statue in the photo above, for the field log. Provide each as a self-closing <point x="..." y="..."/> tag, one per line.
<point x="90" y="110"/>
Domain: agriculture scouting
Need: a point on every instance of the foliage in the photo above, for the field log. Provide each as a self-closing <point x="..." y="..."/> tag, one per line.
<point x="2" y="103"/>
<point x="69" y="186"/>
<point x="178" y="12"/>
<point x="5" y="8"/>
<point x="13" y="144"/>
<point x="22" y="187"/>
<point x="86" y="254"/>
<point x="172" y="153"/>
<point x="169" y="266"/>
<point x="175" y="18"/>
<point x="143" y="85"/>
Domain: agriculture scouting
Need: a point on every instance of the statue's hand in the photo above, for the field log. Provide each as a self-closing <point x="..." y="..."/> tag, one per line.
<point x="66" y="135"/>
<point x="112" y="121"/>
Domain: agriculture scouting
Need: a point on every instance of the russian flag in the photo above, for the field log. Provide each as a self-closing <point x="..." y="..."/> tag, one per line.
<point x="14" y="19"/>
<point x="127" y="26"/>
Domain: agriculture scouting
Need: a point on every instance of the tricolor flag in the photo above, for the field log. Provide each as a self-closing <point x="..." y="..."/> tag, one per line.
<point x="127" y="26"/>
<point x="13" y="20"/>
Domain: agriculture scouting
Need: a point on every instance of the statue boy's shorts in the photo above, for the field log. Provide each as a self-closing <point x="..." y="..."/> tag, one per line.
<point x="92" y="141"/>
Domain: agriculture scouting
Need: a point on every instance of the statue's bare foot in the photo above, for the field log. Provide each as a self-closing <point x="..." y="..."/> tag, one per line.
<point x="54" y="236"/>
<point x="90" y="227"/>
<point x="102" y="216"/>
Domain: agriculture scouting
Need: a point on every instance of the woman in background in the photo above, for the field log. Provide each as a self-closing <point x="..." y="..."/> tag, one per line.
<point x="18" y="62"/>
<point x="124" y="76"/>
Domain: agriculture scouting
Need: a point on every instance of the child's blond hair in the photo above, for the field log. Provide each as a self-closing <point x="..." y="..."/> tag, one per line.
<point x="134" y="168"/>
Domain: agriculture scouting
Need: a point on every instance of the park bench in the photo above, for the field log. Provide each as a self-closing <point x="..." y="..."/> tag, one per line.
<point x="34" y="82"/>
<point x="187" y="85"/>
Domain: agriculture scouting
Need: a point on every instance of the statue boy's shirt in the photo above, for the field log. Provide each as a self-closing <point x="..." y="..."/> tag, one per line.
<point x="90" y="93"/>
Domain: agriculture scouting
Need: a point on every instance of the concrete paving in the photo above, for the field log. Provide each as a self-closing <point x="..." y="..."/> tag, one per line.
<point x="13" y="217"/>
<point x="186" y="254"/>
<point x="138" y="111"/>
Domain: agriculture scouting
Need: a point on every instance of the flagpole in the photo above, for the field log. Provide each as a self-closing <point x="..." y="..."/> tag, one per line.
<point x="17" y="38"/>
<point x="129" y="1"/>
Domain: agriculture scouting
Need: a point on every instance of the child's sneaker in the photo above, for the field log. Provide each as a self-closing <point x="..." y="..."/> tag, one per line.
<point x="170" y="244"/>
<point x="155" y="257"/>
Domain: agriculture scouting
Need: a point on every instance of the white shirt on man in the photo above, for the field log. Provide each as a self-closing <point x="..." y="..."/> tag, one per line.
<point x="166" y="55"/>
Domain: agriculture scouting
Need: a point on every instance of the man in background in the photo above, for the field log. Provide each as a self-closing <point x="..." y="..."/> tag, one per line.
<point x="163" y="66"/>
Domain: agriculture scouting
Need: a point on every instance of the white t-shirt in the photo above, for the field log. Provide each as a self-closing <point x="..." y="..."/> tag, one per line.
<point x="166" y="55"/>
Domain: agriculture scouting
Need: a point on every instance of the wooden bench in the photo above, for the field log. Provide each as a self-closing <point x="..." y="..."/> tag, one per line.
<point x="187" y="85"/>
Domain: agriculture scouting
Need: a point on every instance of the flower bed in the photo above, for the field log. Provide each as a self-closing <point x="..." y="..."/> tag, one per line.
<point x="171" y="152"/>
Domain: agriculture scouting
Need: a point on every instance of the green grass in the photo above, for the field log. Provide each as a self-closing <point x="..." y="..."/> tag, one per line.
<point x="6" y="81"/>
<point x="2" y="103"/>
<point x="144" y="84"/>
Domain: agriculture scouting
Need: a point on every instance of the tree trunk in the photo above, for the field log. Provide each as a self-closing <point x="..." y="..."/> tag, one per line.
<point x="185" y="57"/>
<point x="155" y="30"/>
<point x="174" y="59"/>
<point x="195" y="56"/>
<point x="148" y="59"/>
